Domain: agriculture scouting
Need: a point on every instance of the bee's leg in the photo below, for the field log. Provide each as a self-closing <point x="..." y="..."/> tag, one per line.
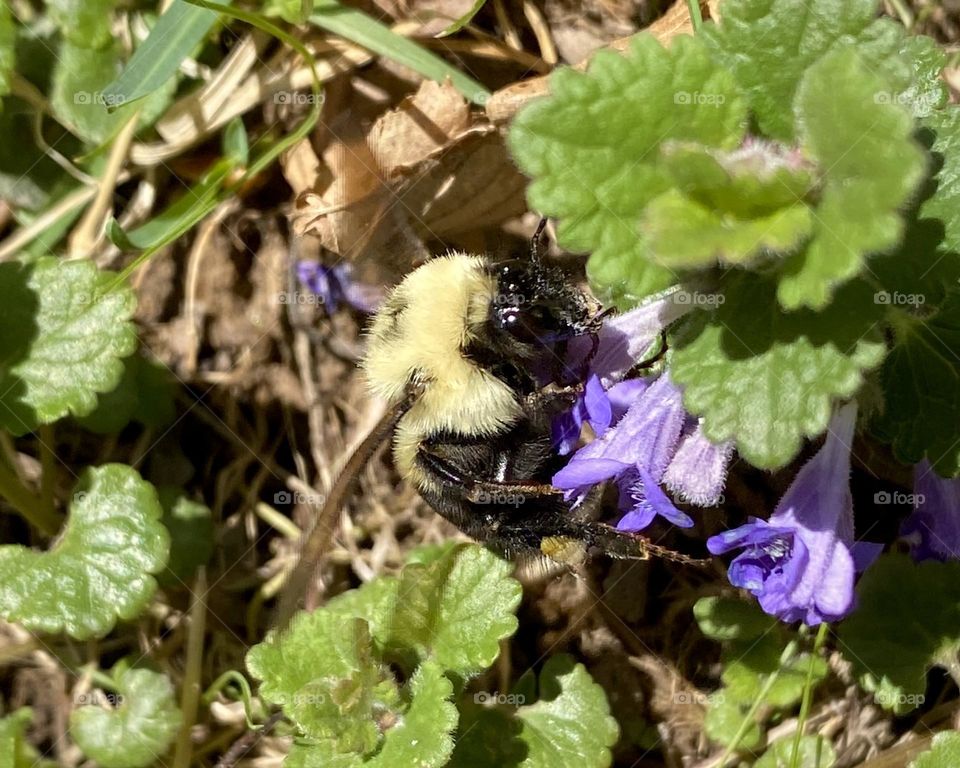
<point x="476" y="489"/>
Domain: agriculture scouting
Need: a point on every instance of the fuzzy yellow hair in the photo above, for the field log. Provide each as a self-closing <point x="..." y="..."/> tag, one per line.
<point x="418" y="336"/>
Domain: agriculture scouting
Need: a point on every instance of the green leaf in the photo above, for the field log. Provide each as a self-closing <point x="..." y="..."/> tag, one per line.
<point x="928" y="92"/>
<point x="684" y="234"/>
<point x="99" y="569"/>
<point x="356" y="26"/>
<point x="177" y="34"/>
<point x="748" y="665"/>
<point x="323" y="673"/>
<point x="907" y="621"/>
<point x="8" y="39"/>
<point x="456" y="610"/>
<point x="136" y="733"/>
<point x="814" y="752"/>
<point x="190" y="525"/>
<point x="767" y="379"/>
<point x="870" y="166"/>
<point x="69" y="342"/>
<point x="420" y="736"/>
<point x="944" y="204"/>
<point x="79" y="98"/>
<point x="568" y="727"/>
<point x="15" y="750"/>
<point x="727" y="618"/>
<point x="592" y="148"/>
<point x="770" y="45"/>
<point x="83" y="22"/>
<point x="921" y="378"/>
<point x="945" y="752"/>
<point x="723" y="720"/>
<point x="144" y="394"/>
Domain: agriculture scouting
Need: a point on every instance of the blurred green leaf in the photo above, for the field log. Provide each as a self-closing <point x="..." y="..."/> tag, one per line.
<point x="83" y="22"/>
<point x="725" y="715"/>
<point x="945" y="752"/>
<point x="71" y="337"/>
<point x="907" y="621"/>
<point x="356" y="26"/>
<point x="727" y="618"/>
<point x="780" y="754"/>
<point x="144" y="394"/>
<point x="136" y="733"/>
<point x="175" y="36"/>
<point x="15" y="751"/>
<point x="8" y="39"/>
<point x="190" y="525"/>
<point x="100" y="567"/>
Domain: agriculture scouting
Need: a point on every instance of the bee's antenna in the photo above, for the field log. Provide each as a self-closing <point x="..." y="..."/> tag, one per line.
<point x="536" y="242"/>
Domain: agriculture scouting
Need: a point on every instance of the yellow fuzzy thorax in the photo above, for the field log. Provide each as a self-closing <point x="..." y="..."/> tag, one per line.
<point x="418" y="335"/>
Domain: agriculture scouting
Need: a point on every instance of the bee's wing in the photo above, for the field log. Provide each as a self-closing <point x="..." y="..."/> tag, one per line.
<point x="359" y="217"/>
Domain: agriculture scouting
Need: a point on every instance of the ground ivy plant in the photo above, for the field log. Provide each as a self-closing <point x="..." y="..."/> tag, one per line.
<point x="791" y="169"/>
<point x="380" y="676"/>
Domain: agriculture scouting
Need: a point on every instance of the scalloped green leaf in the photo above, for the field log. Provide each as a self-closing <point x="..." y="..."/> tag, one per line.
<point x="814" y="752"/>
<point x="921" y="379"/>
<point x="136" y="733"/>
<point x="769" y="45"/>
<point x="144" y="394"/>
<point x="869" y="164"/>
<point x="945" y="752"/>
<point x="457" y="609"/>
<point x="907" y="621"/>
<point x="69" y="342"/>
<point x="768" y="380"/>
<point x="944" y="204"/>
<point x="748" y="665"/>
<point x="419" y="736"/>
<point x="591" y="148"/>
<point x="15" y="750"/>
<point x="100" y="567"/>
<point x="569" y="726"/>
<point x="723" y="721"/>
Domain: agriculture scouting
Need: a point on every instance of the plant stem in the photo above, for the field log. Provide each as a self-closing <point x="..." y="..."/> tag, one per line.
<point x="27" y="505"/>
<point x="788" y="653"/>
<point x="190" y="690"/>
<point x="696" y="18"/>
<point x="807" y="694"/>
<point x="48" y="468"/>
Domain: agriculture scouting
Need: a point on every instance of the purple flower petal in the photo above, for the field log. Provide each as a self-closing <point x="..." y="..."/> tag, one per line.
<point x="578" y="475"/>
<point x="625" y="339"/>
<point x="650" y="501"/>
<point x="336" y="283"/>
<point x="597" y="405"/>
<point x="623" y="394"/>
<point x="933" y="529"/>
<point x="698" y="470"/>
<point x="800" y="564"/>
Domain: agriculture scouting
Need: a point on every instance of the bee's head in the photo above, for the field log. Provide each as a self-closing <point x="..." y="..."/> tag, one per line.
<point x="537" y="305"/>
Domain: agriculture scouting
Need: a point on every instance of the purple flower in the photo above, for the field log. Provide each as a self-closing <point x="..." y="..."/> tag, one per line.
<point x="598" y="407"/>
<point x="637" y="453"/>
<point x="625" y="339"/>
<point x="335" y="284"/>
<point x="933" y="530"/>
<point x="801" y="563"/>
